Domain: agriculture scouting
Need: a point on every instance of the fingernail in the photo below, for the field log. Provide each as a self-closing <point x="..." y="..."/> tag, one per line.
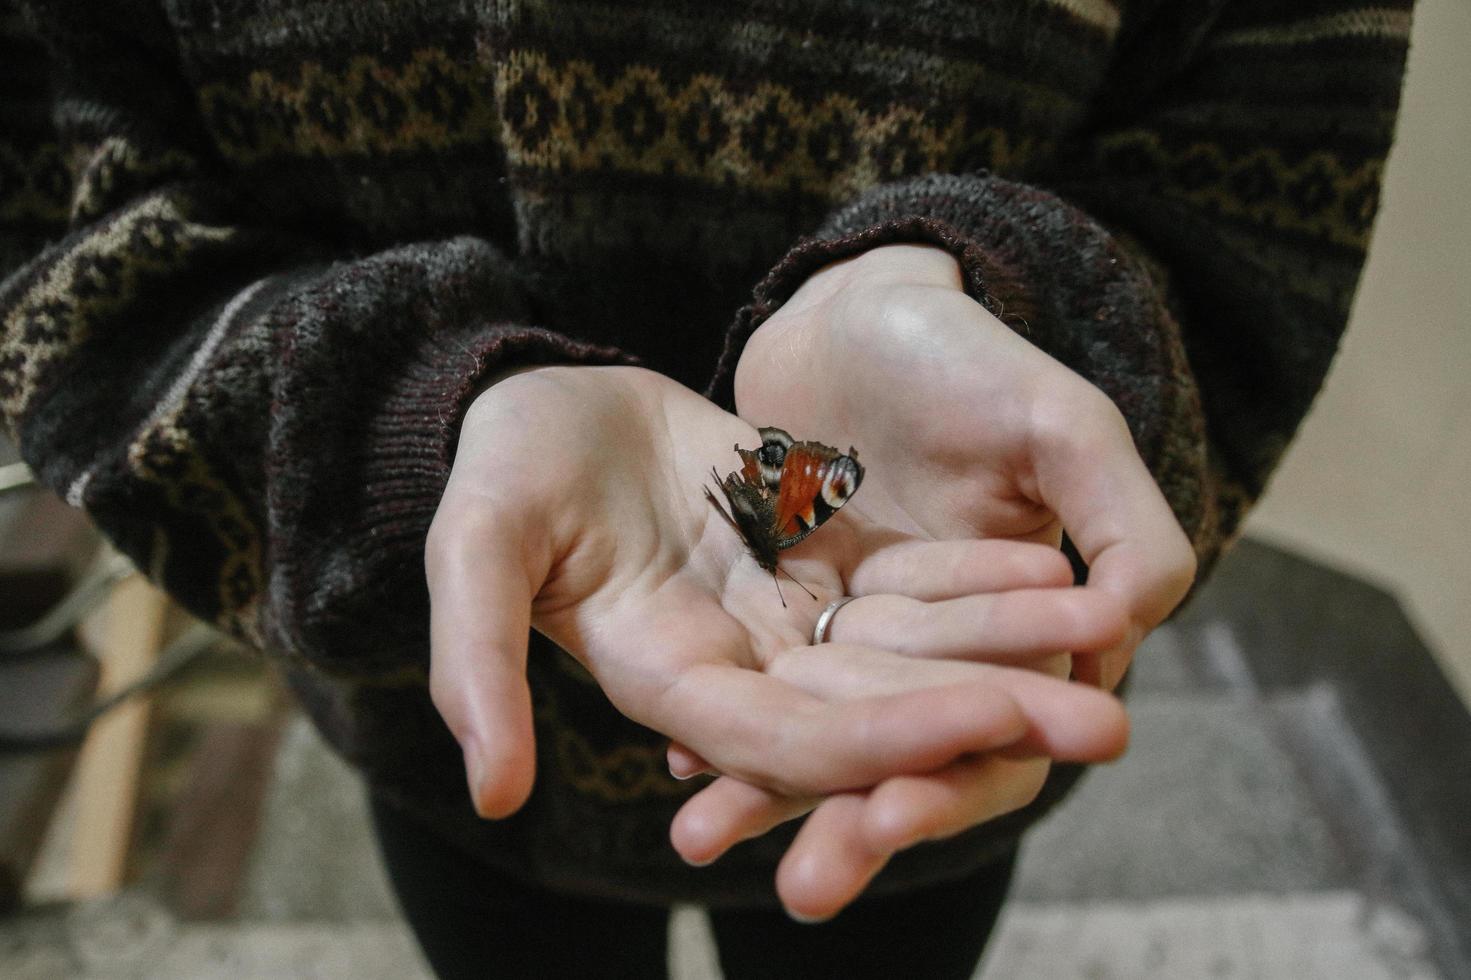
<point x="807" y="920"/>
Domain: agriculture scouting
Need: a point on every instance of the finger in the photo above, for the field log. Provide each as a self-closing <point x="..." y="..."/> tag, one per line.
<point x="1093" y="478"/>
<point x="684" y="763"/>
<point x="1005" y="627"/>
<point x="934" y="570"/>
<point x="905" y="810"/>
<point x="829" y="863"/>
<point x="1063" y="721"/>
<point x="480" y="592"/>
<point x="766" y="731"/>
<point x="727" y="812"/>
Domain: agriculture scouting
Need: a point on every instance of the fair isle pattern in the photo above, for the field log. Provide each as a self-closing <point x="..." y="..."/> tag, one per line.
<point x="564" y="118"/>
<point x="1318" y="195"/>
<point x="1375" y="23"/>
<point x="115" y="164"/>
<point x="568" y="117"/>
<point x="617" y="774"/>
<point x="167" y="455"/>
<point x="70" y="301"/>
<point x="430" y="102"/>
<point x="103" y="274"/>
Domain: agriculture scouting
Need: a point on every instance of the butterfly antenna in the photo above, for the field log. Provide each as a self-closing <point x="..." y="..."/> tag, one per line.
<point x="778" y="589"/>
<point x="799" y="584"/>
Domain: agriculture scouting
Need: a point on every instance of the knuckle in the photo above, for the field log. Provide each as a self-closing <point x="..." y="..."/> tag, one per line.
<point x="458" y="532"/>
<point x="437" y="543"/>
<point x="1079" y="414"/>
<point x="454" y="525"/>
<point x="1075" y="619"/>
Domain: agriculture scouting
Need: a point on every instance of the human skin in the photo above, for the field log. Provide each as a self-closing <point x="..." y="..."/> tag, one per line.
<point x="968" y="432"/>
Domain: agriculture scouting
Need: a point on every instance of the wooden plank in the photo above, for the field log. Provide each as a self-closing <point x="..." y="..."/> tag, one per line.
<point x="126" y="636"/>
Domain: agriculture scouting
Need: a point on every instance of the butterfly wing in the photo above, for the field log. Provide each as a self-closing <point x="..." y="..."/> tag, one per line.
<point x="772" y="455"/>
<point x="763" y="466"/>
<point x="815" y="481"/>
<point x="784" y="491"/>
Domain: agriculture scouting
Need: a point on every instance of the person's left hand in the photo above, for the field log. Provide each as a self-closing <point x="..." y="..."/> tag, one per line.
<point x="966" y="431"/>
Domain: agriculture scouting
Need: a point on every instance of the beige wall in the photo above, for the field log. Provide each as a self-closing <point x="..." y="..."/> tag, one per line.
<point x="1379" y="481"/>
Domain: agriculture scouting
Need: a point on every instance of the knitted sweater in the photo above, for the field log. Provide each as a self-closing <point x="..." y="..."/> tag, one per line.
<point x="259" y="254"/>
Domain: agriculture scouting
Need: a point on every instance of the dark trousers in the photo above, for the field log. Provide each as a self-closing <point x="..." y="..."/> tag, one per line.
<point x="474" y="922"/>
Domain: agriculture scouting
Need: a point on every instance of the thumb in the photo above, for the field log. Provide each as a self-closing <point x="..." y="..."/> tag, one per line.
<point x="480" y="592"/>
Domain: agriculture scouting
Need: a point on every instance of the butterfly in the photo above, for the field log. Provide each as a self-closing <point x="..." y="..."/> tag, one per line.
<point x="783" y="492"/>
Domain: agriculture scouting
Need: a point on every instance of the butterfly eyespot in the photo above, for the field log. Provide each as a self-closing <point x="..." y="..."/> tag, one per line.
<point x="771" y="435"/>
<point x="771" y="456"/>
<point x="841" y="481"/>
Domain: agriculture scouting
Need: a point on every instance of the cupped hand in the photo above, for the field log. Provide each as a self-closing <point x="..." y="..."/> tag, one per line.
<point x="968" y="432"/>
<point x="967" y="429"/>
<point x="575" y="506"/>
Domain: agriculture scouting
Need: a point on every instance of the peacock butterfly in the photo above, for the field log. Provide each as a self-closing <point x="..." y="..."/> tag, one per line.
<point x="783" y="492"/>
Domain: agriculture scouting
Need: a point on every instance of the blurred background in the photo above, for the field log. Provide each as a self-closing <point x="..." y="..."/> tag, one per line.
<point x="1295" y="803"/>
<point x="1379" y="480"/>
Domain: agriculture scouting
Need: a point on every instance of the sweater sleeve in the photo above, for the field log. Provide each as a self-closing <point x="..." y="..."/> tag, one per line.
<point x="264" y="425"/>
<point x="1192" y="249"/>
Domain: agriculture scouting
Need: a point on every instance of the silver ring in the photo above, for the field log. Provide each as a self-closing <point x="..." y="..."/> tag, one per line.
<point x="819" y="632"/>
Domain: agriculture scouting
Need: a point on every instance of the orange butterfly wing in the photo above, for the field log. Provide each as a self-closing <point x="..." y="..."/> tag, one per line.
<point x="815" y="482"/>
<point x="801" y="483"/>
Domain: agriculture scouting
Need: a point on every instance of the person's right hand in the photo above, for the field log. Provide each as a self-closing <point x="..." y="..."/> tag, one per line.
<point x="575" y="506"/>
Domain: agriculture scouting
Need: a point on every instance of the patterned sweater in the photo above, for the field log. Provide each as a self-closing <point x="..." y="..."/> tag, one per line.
<point x="258" y="254"/>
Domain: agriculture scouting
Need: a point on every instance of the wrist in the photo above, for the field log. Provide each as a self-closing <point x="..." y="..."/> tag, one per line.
<point x="801" y="331"/>
<point x="887" y="265"/>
